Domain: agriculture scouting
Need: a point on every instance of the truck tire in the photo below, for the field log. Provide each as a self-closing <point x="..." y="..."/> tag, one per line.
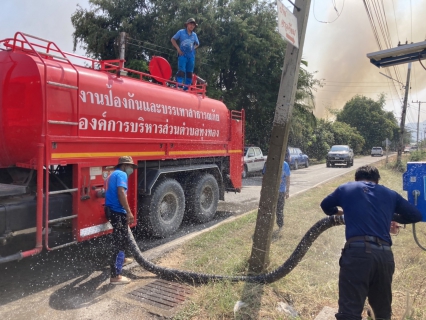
<point x="307" y="163"/>
<point x="162" y="212"/>
<point x="202" y="198"/>
<point x="296" y="165"/>
<point x="328" y="164"/>
<point x="245" y="172"/>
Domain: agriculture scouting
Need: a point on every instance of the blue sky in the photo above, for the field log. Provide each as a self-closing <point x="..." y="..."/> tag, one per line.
<point x="337" y="50"/>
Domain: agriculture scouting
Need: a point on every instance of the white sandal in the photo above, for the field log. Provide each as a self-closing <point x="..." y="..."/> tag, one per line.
<point x="121" y="280"/>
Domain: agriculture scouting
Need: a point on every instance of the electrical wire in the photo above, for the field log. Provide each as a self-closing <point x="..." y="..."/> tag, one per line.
<point x="162" y="52"/>
<point x="411" y="12"/>
<point x="394" y="15"/>
<point x="140" y="42"/>
<point x="355" y="81"/>
<point x="345" y="92"/>
<point x="346" y="86"/>
<point x="335" y="8"/>
<point x="420" y="60"/>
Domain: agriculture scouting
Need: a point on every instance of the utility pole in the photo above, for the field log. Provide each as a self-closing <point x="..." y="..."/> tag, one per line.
<point x="418" y="121"/>
<point x="259" y="258"/>
<point x="404" y="111"/>
<point x="122" y="53"/>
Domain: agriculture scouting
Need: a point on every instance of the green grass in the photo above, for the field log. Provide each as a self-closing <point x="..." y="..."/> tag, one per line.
<point x="312" y="284"/>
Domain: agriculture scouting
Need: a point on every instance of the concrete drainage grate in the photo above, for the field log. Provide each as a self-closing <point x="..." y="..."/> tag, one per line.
<point x="162" y="294"/>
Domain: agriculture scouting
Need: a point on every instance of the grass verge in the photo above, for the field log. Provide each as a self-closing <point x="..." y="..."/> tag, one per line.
<point x="312" y="284"/>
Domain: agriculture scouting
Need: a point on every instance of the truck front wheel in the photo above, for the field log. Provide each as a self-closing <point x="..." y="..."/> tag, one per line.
<point x="202" y="198"/>
<point x="162" y="212"/>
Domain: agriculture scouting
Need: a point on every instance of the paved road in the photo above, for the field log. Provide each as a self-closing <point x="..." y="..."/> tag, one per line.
<point x="72" y="283"/>
<point x="301" y="180"/>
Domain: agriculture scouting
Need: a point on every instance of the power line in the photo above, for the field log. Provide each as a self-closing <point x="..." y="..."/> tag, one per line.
<point x="335" y="8"/>
<point x="411" y="12"/>
<point x="356" y="81"/>
<point x="394" y="15"/>
<point x="370" y="12"/>
<point x="346" y="86"/>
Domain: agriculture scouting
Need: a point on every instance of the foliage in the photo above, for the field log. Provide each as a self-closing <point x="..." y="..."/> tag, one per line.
<point x="345" y="134"/>
<point x="241" y="53"/>
<point x="370" y="119"/>
<point x="321" y="140"/>
<point x="418" y="155"/>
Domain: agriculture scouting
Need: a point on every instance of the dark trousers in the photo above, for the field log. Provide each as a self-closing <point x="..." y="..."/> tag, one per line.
<point x="365" y="275"/>
<point x="120" y="242"/>
<point x="280" y="209"/>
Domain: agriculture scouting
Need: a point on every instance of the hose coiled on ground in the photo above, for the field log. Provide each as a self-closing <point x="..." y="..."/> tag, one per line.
<point x="280" y="272"/>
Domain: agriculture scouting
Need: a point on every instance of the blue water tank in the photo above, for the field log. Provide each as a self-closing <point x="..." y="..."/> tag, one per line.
<point x="414" y="182"/>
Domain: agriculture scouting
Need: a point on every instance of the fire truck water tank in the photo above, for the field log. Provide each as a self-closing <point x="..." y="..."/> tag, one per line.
<point x="58" y="99"/>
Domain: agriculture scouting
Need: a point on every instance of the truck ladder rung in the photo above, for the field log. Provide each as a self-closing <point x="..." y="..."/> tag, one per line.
<point x="63" y="191"/>
<point x="51" y="55"/>
<point x="63" y="122"/>
<point x="62" y="85"/>
<point x="63" y="219"/>
<point x="64" y="245"/>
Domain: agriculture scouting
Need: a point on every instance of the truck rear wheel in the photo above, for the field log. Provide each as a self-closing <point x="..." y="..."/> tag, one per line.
<point x="202" y="198"/>
<point x="163" y="211"/>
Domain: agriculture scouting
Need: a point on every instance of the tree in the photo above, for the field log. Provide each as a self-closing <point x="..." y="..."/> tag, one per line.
<point x="370" y="119"/>
<point x="321" y="140"/>
<point x="345" y="134"/>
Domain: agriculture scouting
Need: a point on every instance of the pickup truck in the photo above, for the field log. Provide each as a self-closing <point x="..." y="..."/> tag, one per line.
<point x="254" y="160"/>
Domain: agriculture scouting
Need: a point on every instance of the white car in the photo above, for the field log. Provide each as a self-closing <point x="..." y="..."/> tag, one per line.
<point x="377" y="151"/>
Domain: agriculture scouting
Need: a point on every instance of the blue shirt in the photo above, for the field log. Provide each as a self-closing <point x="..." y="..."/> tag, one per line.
<point x="369" y="209"/>
<point x="117" y="179"/>
<point x="187" y="42"/>
<point x="285" y="173"/>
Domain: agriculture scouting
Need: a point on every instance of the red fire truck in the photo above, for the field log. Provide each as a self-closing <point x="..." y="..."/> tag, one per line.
<point x="63" y="125"/>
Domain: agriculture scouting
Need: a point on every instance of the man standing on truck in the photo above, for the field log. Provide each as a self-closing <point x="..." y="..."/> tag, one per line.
<point x="119" y="215"/>
<point x="283" y="194"/>
<point x="188" y="42"/>
<point x="367" y="263"/>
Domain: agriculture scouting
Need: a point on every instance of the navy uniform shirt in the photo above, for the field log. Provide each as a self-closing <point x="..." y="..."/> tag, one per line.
<point x="369" y="209"/>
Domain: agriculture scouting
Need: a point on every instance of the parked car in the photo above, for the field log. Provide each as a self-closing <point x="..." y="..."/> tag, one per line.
<point x="340" y="154"/>
<point x="406" y="149"/>
<point x="296" y="158"/>
<point x="253" y="160"/>
<point x="377" y="151"/>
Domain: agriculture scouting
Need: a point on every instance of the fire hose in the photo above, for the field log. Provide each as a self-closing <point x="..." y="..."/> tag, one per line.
<point x="415" y="238"/>
<point x="278" y="273"/>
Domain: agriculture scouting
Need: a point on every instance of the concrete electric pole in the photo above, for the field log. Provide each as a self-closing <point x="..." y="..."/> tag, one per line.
<point x="404" y="111"/>
<point x="259" y="258"/>
<point x="418" y="122"/>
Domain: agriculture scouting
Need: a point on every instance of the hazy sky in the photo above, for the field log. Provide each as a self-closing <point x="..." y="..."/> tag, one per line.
<point x="337" y="50"/>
